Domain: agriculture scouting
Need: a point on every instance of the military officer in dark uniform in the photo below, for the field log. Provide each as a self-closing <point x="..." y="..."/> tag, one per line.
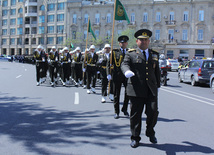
<point x="41" y="59"/>
<point x="53" y="65"/>
<point x="84" y="68"/>
<point x="66" y="66"/>
<point x="91" y="69"/>
<point x="78" y="60"/>
<point x="141" y="67"/>
<point x="103" y="60"/>
<point x="118" y="77"/>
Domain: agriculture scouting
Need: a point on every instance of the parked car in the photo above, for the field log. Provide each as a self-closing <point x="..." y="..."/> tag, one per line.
<point x="173" y="64"/>
<point x="212" y="81"/>
<point x="196" y="71"/>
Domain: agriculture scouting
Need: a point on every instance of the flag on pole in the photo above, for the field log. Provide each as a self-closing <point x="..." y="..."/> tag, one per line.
<point x="120" y="13"/>
<point x="90" y="30"/>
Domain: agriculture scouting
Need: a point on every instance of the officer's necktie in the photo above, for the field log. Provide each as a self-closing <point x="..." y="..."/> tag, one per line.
<point x="123" y="52"/>
<point x="144" y="54"/>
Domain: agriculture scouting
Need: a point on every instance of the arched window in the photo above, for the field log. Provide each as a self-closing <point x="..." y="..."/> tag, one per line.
<point x="20" y="10"/>
<point x="42" y="8"/>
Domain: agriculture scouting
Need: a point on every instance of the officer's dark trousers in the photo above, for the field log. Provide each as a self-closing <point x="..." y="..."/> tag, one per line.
<point x="116" y="89"/>
<point x="66" y="71"/>
<point x="53" y="69"/>
<point x="78" y="72"/>
<point x="137" y="106"/>
<point x="40" y="71"/>
<point x="91" y="75"/>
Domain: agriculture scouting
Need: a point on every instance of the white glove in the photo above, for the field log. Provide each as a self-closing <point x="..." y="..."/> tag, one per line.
<point x="43" y="59"/>
<point x="98" y="72"/>
<point x="101" y="60"/>
<point x="109" y="77"/>
<point x="129" y="74"/>
<point x="83" y="69"/>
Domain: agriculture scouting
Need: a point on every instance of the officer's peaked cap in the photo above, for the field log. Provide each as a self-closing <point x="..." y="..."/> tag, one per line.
<point x="143" y="33"/>
<point x="123" y="39"/>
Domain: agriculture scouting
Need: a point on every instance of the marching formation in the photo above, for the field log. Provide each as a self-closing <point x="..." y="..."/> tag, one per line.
<point x="136" y="69"/>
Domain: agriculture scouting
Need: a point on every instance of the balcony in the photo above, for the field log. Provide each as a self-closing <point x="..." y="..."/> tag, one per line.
<point x="170" y="23"/>
<point x="96" y="25"/>
<point x="31" y="3"/>
<point x="132" y="24"/>
<point x="31" y="14"/>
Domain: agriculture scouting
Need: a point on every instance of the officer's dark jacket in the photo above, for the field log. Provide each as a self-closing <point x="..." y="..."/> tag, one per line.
<point x="117" y="59"/>
<point x="53" y="56"/>
<point x="78" y="58"/>
<point x="103" y="64"/>
<point x="147" y="73"/>
<point x="66" y="57"/>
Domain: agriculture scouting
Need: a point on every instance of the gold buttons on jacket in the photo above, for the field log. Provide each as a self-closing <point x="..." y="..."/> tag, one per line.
<point x="146" y="62"/>
<point x="147" y="79"/>
<point x="147" y="73"/>
<point x="146" y="67"/>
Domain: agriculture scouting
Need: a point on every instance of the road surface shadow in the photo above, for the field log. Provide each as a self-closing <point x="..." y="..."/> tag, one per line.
<point x="33" y="125"/>
<point x="173" y="149"/>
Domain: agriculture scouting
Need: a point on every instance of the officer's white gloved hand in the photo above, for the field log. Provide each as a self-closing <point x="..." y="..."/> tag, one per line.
<point x="101" y="60"/>
<point x="129" y="74"/>
<point x="98" y="72"/>
<point x="109" y="77"/>
<point x="83" y="69"/>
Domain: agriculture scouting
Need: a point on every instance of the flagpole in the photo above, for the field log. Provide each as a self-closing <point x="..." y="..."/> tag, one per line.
<point x="112" y="42"/>
<point x="86" y="47"/>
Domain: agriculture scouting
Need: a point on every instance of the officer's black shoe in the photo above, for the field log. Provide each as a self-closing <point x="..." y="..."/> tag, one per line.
<point x="116" y="116"/>
<point x="153" y="139"/>
<point x="134" y="144"/>
<point x="126" y="113"/>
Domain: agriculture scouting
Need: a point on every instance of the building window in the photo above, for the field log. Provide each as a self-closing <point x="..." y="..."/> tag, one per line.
<point x="12" y="31"/>
<point x="61" y="6"/>
<point x="170" y="54"/>
<point x="158" y="17"/>
<point x="59" y="40"/>
<point x="157" y="34"/>
<point x="145" y="17"/>
<point x="200" y="34"/>
<point x="41" y="40"/>
<point x="119" y="32"/>
<point x="41" y="29"/>
<point x="13" y="2"/>
<point x="60" y="28"/>
<point x="19" y="31"/>
<point x="132" y="17"/>
<point x="13" y="12"/>
<point x="50" y="29"/>
<point x="73" y="34"/>
<point x="171" y="35"/>
<point x="86" y="18"/>
<point x="201" y="15"/>
<point x="51" y="7"/>
<point x="184" y="35"/>
<point x="12" y="21"/>
<point x="97" y="33"/>
<point x="74" y="19"/>
<point x="50" y="40"/>
<point x="108" y="18"/>
<point x="4" y="41"/>
<point x="4" y="12"/>
<point x="19" y="41"/>
<point x="171" y="16"/>
<point x="42" y="8"/>
<point x="50" y="18"/>
<point x="5" y="3"/>
<point x="60" y="17"/>
<point x="186" y="16"/>
<point x="4" y="32"/>
<point x="108" y="34"/>
<point x="97" y="18"/>
<point x="20" y="21"/>
<point x="4" y="22"/>
<point x="12" y="41"/>
<point x="20" y="10"/>
<point x="20" y="0"/>
<point x="41" y="19"/>
<point x="199" y="53"/>
<point x="85" y="34"/>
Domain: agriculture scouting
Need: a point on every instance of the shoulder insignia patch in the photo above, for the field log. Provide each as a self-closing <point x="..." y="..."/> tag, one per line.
<point x="131" y="50"/>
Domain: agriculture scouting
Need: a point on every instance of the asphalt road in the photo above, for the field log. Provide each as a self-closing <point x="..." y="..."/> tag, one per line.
<point x="68" y="121"/>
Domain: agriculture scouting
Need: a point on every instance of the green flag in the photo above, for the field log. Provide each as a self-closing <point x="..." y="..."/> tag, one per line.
<point x="120" y="13"/>
<point x="72" y="45"/>
<point x="90" y="30"/>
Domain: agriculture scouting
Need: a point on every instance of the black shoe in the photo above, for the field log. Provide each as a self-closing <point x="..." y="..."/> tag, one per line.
<point x="126" y="113"/>
<point x="134" y="144"/>
<point x="153" y="139"/>
<point x="116" y="116"/>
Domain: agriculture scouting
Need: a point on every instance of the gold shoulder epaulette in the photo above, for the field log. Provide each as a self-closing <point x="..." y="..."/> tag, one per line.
<point x="155" y="51"/>
<point x="131" y="50"/>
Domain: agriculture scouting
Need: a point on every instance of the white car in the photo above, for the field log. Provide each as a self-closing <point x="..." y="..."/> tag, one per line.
<point x="173" y="64"/>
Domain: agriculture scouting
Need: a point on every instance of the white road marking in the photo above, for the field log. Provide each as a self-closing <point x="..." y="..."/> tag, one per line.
<point x="18" y="76"/>
<point x="189" y="97"/>
<point x="204" y="98"/>
<point x="76" y="98"/>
